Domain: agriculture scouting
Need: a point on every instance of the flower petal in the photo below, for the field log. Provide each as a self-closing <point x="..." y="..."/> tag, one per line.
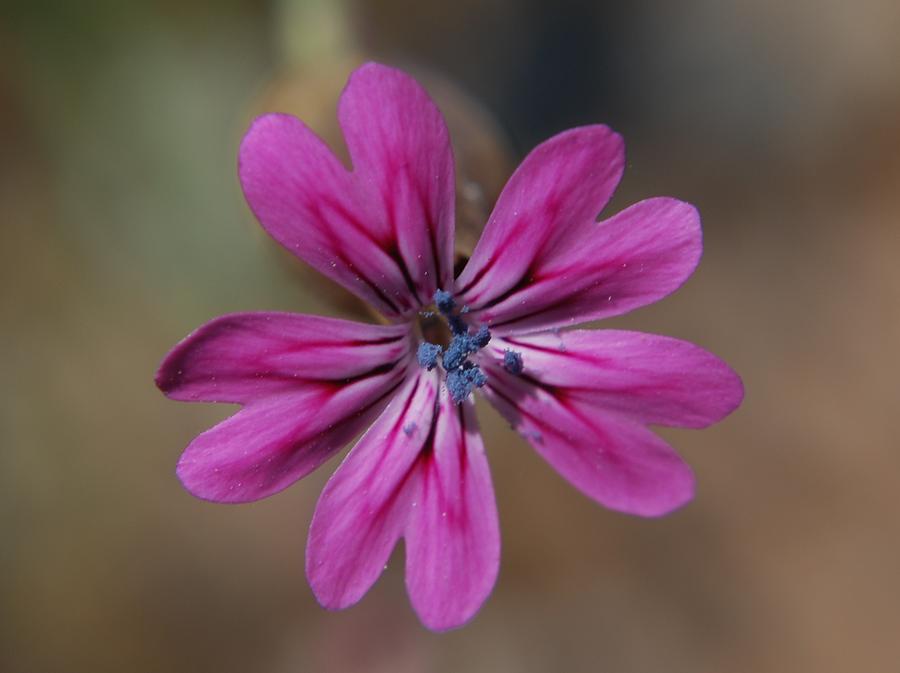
<point x="544" y="261"/>
<point x="649" y="378"/>
<point x="608" y="457"/>
<point x="363" y="509"/>
<point x="274" y="441"/>
<point x="419" y="472"/>
<point x="400" y="147"/>
<point x="385" y="230"/>
<point x="310" y="203"/>
<point x="247" y="356"/>
<point x="556" y="192"/>
<point x="453" y="536"/>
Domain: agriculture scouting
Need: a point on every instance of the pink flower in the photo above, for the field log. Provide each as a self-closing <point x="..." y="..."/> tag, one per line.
<point x="384" y="231"/>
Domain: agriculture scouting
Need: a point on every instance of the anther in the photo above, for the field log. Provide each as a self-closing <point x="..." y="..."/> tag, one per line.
<point x="462" y="375"/>
<point x="482" y="337"/>
<point x="512" y="362"/>
<point x="461" y="382"/>
<point x="444" y="301"/>
<point x="427" y="355"/>
<point x="455" y="354"/>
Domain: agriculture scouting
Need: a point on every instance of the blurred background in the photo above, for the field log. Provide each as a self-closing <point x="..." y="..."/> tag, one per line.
<point x="123" y="228"/>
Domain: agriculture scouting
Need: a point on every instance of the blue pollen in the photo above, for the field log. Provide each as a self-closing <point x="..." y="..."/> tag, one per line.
<point x="456" y="352"/>
<point x="463" y="376"/>
<point x="444" y="301"/>
<point x="482" y="337"/>
<point x="457" y="325"/>
<point x="428" y="355"/>
<point x="512" y="362"/>
<point x="461" y="382"/>
<point x="463" y="345"/>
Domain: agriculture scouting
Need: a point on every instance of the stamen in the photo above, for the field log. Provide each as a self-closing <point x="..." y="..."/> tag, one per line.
<point x="456" y="353"/>
<point x="444" y="301"/>
<point x="474" y="375"/>
<point x="428" y="355"/>
<point x="512" y="362"/>
<point x="463" y="376"/>
<point x="457" y="325"/>
<point x="461" y="382"/>
<point x="482" y="337"/>
<point x="463" y="345"/>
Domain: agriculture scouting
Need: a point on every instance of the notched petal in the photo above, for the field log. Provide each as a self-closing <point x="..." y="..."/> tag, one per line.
<point x="383" y="230"/>
<point x="308" y="386"/>
<point x="652" y="379"/>
<point x="453" y="535"/>
<point x="244" y="357"/>
<point x="363" y="509"/>
<point x="420" y="473"/>
<point x="608" y="457"/>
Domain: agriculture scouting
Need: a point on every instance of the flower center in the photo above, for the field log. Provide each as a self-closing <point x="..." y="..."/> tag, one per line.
<point x="463" y="375"/>
<point x="454" y="350"/>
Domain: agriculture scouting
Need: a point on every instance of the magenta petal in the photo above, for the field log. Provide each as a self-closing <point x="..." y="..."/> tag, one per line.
<point x="384" y="230"/>
<point x="419" y="472"/>
<point x="560" y="267"/>
<point x="649" y="378"/>
<point x="630" y="260"/>
<point x="400" y="147"/>
<point x="556" y="192"/>
<point x="247" y="356"/>
<point x="273" y="442"/>
<point x="305" y="198"/>
<point x="608" y="457"/>
<point x="365" y="506"/>
<point x="453" y="537"/>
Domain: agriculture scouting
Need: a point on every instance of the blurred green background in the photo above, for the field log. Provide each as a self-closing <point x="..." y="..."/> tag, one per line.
<point x="123" y="228"/>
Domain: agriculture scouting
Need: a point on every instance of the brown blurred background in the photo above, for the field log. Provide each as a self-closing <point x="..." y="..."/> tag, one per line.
<point x="123" y="228"/>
